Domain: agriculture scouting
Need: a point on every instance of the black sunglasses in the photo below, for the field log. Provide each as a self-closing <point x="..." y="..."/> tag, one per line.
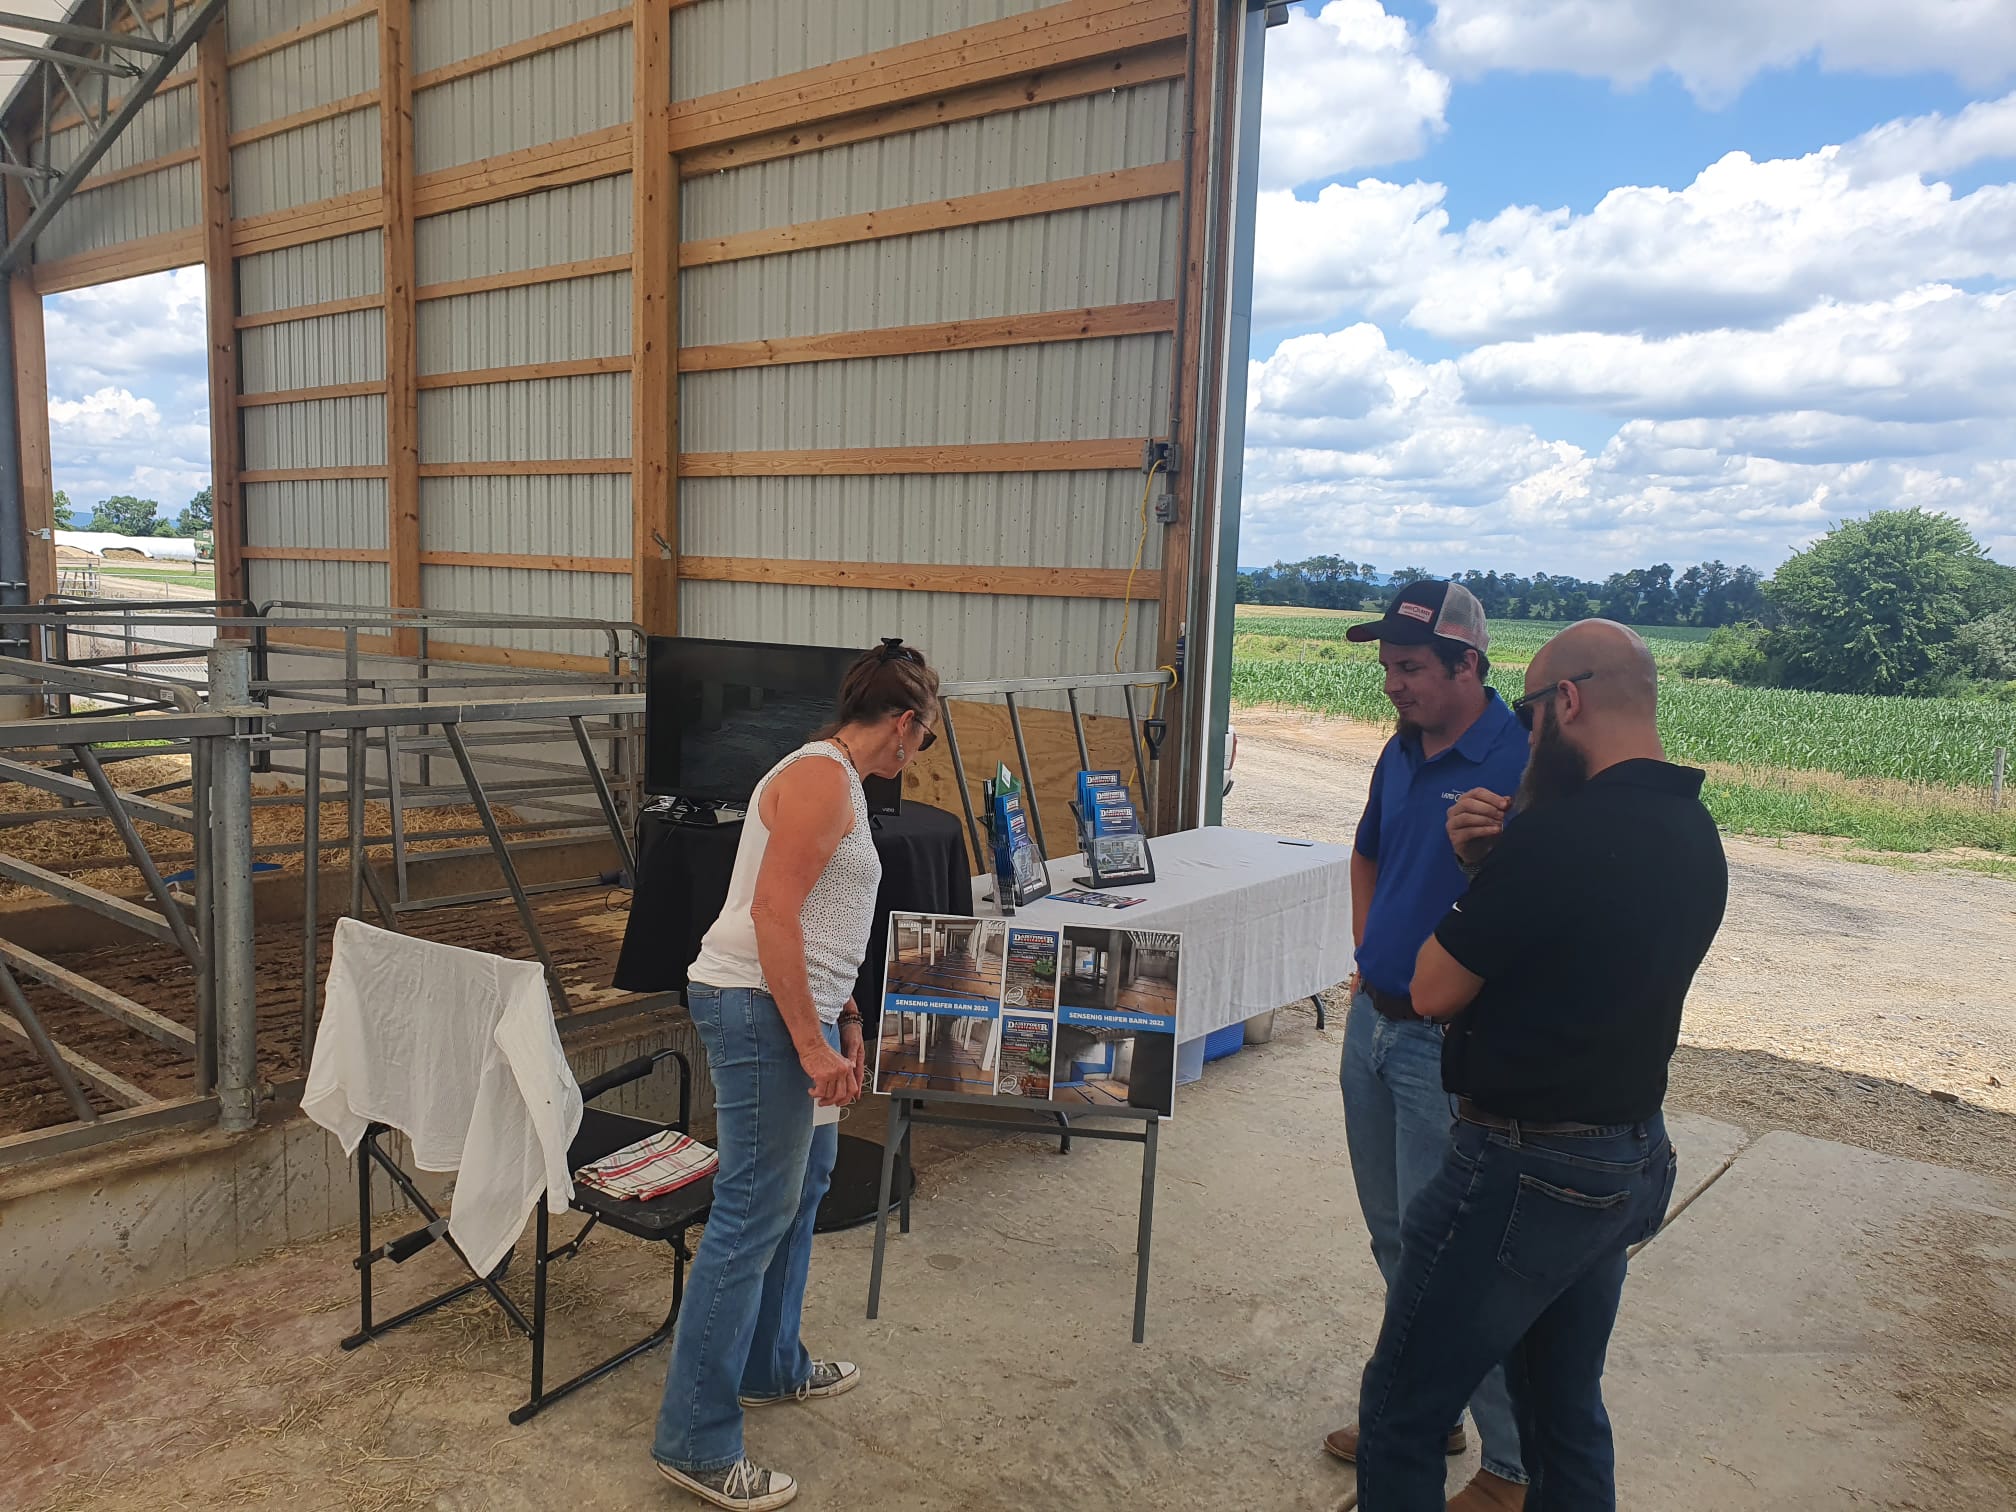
<point x="1527" y="705"/>
<point x="893" y="649"/>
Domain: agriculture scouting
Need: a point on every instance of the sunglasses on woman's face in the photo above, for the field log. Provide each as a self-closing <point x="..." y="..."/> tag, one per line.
<point x="930" y="735"/>
<point x="1527" y="705"/>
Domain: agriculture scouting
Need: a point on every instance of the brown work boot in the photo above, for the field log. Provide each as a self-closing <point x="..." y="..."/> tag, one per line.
<point x="1489" y="1493"/>
<point x="1344" y="1444"/>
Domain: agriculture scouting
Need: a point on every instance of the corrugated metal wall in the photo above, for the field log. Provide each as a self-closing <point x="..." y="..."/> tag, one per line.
<point x="150" y="205"/>
<point x="320" y="160"/>
<point x="558" y="94"/>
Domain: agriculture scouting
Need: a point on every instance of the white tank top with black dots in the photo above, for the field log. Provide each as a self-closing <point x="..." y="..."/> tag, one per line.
<point x="838" y="912"/>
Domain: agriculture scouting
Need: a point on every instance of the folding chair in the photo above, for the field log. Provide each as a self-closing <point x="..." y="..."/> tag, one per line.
<point x="668" y="1219"/>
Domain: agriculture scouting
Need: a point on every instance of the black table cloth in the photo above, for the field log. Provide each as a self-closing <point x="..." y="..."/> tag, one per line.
<point x="682" y="881"/>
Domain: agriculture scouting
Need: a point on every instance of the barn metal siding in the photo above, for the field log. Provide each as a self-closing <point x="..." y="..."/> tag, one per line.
<point x="447" y="31"/>
<point x="123" y="212"/>
<point x="318" y="162"/>
<point x="553" y="95"/>
<point x="365" y="583"/>
<point x="568" y="418"/>
<point x="254" y="21"/>
<point x="1112" y="254"/>
<point x="724" y="46"/>
<point x="574" y="224"/>
<point x="167" y="123"/>
<point x="325" y="433"/>
<point x="527" y="516"/>
<point x="314" y="353"/>
<point x="317" y="71"/>
<point x="1059" y="391"/>
<point x="324" y="514"/>
<point x="1132" y="128"/>
<point x="343" y="267"/>
<point x="555" y="322"/>
<point x="492" y="590"/>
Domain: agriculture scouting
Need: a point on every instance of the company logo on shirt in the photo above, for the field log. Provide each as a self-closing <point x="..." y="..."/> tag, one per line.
<point x="1451" y="796"/>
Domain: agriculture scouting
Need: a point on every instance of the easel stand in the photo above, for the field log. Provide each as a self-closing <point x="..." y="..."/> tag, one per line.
<point x="904" y="1116"/>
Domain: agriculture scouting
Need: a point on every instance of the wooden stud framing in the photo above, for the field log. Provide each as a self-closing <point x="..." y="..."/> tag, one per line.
<point x="531" y="47"/>
<point x="220" y="288"/>
<point x="490" y="283"/>
<point x="310" y="474"/>
<point x="919" y="577"/>
<point x="544" y="467"/>
<point x="315" y="554"/>
<point x="280" y="41"/>
<point x="319" y="221"/>
<point x="530" y="562"/>
<point x="655" y="463"/>
<point x="553" y="165"/>
<point x="311" y="395"/>
<point x="312" y="312"/>
<point x="1047" y="38"/>
<point x="69" y="120"/>
<point x="31" y="409"/>
<point x="1012" y="456"/>
<point x="147" y="254"/>
<point x="1072" y="81"/>
<point x="1152" y="317"/>
<point x="348" y="105"/>
<point x="938" y="215"/>
<point x="402" y="355"/>
<point x="141" y="170"/>
<point x="528" y="372"/>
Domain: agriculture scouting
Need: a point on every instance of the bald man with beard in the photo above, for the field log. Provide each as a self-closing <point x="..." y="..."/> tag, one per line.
<point x="1560" y="976"/>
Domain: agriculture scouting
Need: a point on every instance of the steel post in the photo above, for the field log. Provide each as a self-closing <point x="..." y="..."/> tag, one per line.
<point x="204" y="887"/>
<point x="311" y="910"/>
<point x="231" y="852"/>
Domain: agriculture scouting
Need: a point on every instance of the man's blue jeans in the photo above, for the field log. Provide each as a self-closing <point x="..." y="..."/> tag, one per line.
<point x="1514" y="1252"/>
<point x="737" y="1333"/>
<point x="1397" y="1120"/>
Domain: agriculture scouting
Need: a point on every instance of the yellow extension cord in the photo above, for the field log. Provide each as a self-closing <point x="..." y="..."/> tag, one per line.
<point x="1140" y="549"/>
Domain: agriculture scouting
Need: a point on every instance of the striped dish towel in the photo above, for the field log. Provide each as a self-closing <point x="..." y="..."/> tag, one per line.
<point x="652" y="1167"/>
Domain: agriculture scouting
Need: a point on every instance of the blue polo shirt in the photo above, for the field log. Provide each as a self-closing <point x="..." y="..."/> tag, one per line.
<point x="1405" y="831"/>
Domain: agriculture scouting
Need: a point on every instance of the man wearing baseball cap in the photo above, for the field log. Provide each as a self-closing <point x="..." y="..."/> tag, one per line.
<point x="1455" y="734"/>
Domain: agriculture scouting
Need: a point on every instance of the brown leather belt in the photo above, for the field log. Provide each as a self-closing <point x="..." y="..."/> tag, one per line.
<point x="1396" y="1006"/>
<point x="1469" y="1112"/>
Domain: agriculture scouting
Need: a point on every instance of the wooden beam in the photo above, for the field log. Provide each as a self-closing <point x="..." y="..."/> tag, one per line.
<point x="402" y="350"/>
<point x="1152" y="317"/>
<point x="531" y="47"/>
<point x="311" y="395"/>
<point x="1148" y="65"/>
<point x="617" y="566"/>
<point x="315" y="554"/>
<point x="312" y="312"/>
<point x="490" y="283"/>
<point x="348" y="105"/>
<point x="220" y="287"/>
<point x="918" y="577"/>
<point x="146" y="254"/>
<point x="31" y="410"/>
<point x="1125" y="184"/>
<point x="1046" y="38"/>
<point x="654" y="329"/>
<point x="545" y="467"/>
<point x="294" y="36"/>
<point x="552" y="165"/>
<point x="301" y="224"/>
<point x="889" y="461"/>
<point x="528" y="372"/>
<point x="310" y="474"/>
<point x="140" y="170"/>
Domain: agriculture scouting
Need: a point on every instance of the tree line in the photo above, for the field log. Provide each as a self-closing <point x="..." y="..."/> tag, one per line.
<point x="123" y="514"/>
<point x="1904" y="601"/>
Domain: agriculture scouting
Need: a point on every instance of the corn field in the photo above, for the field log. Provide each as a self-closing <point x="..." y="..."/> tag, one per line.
<point x="1943" y="742"/>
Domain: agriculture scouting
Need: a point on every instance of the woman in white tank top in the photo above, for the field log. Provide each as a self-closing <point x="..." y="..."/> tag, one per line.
<point x="772" y="998"/>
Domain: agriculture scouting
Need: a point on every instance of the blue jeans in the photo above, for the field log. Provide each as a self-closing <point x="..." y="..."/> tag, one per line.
<point x="1396" y="1120"/>
<point x="737" y="1333"/>
<point x="1515" y="1252"/>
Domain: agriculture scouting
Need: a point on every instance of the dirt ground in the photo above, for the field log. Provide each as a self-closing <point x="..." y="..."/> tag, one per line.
<point x="1843" y="1000"/>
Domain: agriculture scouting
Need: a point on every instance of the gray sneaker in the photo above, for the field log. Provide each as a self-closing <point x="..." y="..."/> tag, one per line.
<point x="828" y="1378"/>
<point x="740" y="1487"/>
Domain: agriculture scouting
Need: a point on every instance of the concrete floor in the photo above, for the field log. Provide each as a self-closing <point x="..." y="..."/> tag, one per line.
<point x="1821" y="1328"/>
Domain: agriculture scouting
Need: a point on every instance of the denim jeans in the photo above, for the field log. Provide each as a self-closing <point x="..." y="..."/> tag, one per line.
<point x="1515" y="1252"/>
<point x="737" y="1333"/>
<point x="1397" y="1121"/>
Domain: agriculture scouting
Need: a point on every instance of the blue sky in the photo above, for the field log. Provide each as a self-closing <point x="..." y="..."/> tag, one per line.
<point x="1563" y="285"/>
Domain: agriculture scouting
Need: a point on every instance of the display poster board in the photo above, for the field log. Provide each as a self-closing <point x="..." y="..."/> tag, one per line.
<point x="1083" y="1017"/>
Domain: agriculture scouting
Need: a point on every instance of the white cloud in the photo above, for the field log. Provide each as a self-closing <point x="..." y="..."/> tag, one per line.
<point x="1345" y="91"/>
<point x="106" y="418"/>
<point x="1356" y="448"/>
<point x="1747" y="243"/>
<point x="139" y="332"/>
<point x="1715" y="47"/>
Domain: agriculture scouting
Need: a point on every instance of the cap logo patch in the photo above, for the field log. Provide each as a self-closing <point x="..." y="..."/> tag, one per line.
<point x="1416" y="611"/>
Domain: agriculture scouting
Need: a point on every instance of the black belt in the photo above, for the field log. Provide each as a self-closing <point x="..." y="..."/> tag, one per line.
<point x="1469" y="1112"/>
<point x="1396" y="1006"/>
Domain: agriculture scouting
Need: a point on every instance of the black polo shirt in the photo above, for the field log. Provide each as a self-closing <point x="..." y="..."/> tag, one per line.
<point x="1587" y="925"/>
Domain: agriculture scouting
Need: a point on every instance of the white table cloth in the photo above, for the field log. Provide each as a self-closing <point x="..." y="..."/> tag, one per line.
<point x="1264" y="923"/>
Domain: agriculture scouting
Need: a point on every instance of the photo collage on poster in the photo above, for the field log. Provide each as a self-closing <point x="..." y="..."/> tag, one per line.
<point x="1084" y="1017"/>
